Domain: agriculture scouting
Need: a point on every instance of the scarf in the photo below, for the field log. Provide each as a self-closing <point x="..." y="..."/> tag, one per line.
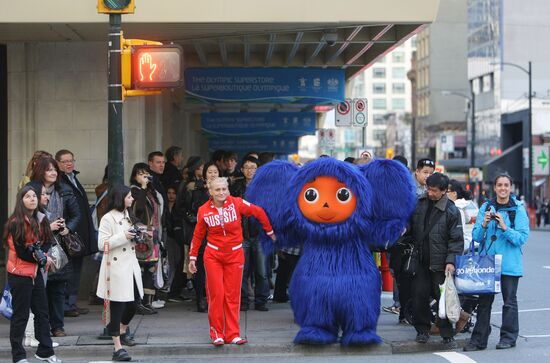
<point x="55" y="205"/>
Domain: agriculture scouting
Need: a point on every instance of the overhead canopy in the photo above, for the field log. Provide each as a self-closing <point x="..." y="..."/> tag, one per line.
<point x="349" y="34"/>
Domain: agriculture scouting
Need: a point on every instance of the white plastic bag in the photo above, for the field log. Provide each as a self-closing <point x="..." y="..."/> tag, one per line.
<point x="452" y="302"/>
<point x="441" y="310"/>
<point x="159" y="279"/>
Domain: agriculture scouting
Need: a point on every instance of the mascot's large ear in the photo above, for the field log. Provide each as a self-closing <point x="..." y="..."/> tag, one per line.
<point x="269" y="189"/>
<point x="394" y="200"/>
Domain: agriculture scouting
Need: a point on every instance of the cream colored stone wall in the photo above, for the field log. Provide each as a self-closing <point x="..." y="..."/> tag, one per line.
<point x="57" y="98"/>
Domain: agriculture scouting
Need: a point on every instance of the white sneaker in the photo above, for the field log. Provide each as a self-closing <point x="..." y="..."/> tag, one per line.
<point x="32" y="342"/>
<point x="239" y="341"/>
<point x="158" y="304"/>
<point x="51" y="359"/>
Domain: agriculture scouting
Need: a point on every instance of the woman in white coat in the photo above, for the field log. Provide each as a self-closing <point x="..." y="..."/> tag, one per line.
<point x="119" y="282"/>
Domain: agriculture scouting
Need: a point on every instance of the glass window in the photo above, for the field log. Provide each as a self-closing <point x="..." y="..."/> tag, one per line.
<point x="398" y="72"/>
<point x="379" y="103"/>
<point x="379" y="135"/>
<point x="378" y="119"/>
<point x="398" y="87"/>
<point x="475" y="86"/>
<point x="487" y="83"/>
<point x="381" y="60"/>
<point x="379" y="72"/>
<point x="398" y="103"/>
<point x="398" y="57"/>
<point x="378" y="88"/>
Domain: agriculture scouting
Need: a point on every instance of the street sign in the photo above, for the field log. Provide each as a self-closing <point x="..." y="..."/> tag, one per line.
<point x="476" y="175"/>
<point x="343" y="113"/>
<point x="541" y="160"/>
<point x="359" y="117"/>
<point x="327" y="138"/>
<point x="447" y="142"/>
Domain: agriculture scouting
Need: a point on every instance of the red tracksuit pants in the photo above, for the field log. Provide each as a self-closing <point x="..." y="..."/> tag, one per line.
<point x="224" y="273"/>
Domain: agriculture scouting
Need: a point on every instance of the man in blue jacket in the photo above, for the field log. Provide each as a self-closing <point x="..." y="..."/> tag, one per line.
<point x="502" y="227"/>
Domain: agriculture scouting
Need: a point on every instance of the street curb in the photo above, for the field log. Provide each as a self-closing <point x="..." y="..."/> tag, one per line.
<point x="170" y="350"/>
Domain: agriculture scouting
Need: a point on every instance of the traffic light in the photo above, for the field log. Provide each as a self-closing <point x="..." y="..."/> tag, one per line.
<point x="158" y="66"/>
<point x="116" y="6"/>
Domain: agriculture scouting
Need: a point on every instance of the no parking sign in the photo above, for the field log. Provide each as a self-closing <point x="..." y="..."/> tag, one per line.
<point x="343" y="113"/>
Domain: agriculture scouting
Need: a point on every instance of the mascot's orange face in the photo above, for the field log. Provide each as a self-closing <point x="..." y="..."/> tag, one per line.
<point x="326" y="200"/>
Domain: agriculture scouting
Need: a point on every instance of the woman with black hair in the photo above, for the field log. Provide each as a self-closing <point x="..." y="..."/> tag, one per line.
<point x="119" y="276"/>
<point x="63" y="211"/>
<point x="147" y="208"/>
<point x="196" y="195"/>
<point x="27" y="234"/>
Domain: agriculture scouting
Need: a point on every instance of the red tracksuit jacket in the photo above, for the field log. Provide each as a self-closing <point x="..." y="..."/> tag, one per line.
<point x="225" y="233"/>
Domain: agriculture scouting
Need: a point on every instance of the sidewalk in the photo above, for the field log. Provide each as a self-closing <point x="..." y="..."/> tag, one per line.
<point x="177" y="330"/>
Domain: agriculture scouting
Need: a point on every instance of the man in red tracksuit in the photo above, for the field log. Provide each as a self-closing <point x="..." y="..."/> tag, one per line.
<point x="219" y="220"/>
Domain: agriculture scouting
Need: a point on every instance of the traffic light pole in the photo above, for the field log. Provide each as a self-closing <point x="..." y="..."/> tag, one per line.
<point x="115" y="140"/>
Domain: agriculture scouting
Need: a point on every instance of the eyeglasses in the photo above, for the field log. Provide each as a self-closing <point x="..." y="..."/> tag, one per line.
<point x="250" y="168"/>
<point x="67" y="161"/>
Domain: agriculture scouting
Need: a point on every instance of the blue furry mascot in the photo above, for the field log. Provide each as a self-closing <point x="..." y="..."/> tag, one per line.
<point x="338" y="212"/>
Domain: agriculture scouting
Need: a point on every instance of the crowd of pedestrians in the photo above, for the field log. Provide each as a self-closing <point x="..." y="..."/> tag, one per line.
<point x="148" y="241"/>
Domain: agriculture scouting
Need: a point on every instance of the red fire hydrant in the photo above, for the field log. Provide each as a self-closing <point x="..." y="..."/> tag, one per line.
<point x="387" y="279"/>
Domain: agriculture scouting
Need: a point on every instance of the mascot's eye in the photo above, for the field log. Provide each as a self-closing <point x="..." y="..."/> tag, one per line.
<point x="343" y="195"/>
<point x="311" y="195"/>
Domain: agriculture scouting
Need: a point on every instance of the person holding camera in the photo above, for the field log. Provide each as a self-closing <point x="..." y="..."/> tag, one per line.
<point x="219" y="221"/>
<point x="62" y="209"/>
<point x="147" y="208"/>
<point x="502" y="227"/>
<point x="27" y="234"/>
<point x="119" y="281"/>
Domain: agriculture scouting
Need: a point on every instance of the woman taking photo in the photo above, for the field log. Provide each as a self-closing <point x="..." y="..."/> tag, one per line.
<point x="27" y="234"/>
<point x="502" y="227"/>
<point x="119" y="275"/>
<point x="219" y="220"/>
<point x="62" y="210"/>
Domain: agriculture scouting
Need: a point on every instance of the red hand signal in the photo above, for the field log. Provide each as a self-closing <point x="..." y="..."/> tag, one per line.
<point x="146" y="67"/>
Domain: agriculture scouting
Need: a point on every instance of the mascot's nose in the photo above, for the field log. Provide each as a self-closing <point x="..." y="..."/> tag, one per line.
<point x="325" y="205"/>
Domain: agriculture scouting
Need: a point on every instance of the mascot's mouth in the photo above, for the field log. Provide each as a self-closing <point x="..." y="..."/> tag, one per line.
<point x="326" y="216"/>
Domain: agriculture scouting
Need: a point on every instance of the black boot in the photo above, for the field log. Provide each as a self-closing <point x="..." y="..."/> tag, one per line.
<point x="202" y="306"/>
<point x="145" y="308"/>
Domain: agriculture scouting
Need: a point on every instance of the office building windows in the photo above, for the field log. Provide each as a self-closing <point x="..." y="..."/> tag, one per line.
<point x="398" y="72"/>
<point x="378" y="119"/>
<point x="379" y="104"/>
<point x="379" y="72"/>
<point x="379" y="135"/>
<point x="378" y="88"/>
<point x="398" y="87"/>
<point x="398" y="57"/>
<point x="398" y="104"/>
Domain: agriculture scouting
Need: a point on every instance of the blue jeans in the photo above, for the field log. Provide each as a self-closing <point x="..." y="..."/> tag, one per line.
<point x="510" y="323"/>
<point x="254" y="264"/>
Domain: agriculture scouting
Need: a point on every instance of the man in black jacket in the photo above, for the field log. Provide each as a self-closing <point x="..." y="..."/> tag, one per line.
<point x="171" y="175"/>
<point x="85" y="229"/>
<point x="438" y="215"/>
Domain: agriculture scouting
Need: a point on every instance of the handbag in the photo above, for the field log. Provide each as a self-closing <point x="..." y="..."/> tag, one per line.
<point x="58" y="256"/>
<point x="478" y="273"/>
<point x="73" y="245"/>
<point x="412" y="257"/>
<point x="5" y="304"/>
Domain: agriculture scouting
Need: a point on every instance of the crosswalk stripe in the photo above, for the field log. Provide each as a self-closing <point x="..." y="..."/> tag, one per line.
<point x="455" y="357"/>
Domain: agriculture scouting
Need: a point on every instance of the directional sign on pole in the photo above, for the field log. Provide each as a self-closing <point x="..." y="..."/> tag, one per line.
<point x="359" y="117"/>
<point x="541" y="160"/>
<point x="343" y="113"/>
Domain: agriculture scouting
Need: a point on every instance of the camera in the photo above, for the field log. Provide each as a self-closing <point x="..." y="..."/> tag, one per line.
<point x="331" y="37"/>
<point x="38" y="254"/>
<point x="139" y="234"/>
<point x="149" y="177"/>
